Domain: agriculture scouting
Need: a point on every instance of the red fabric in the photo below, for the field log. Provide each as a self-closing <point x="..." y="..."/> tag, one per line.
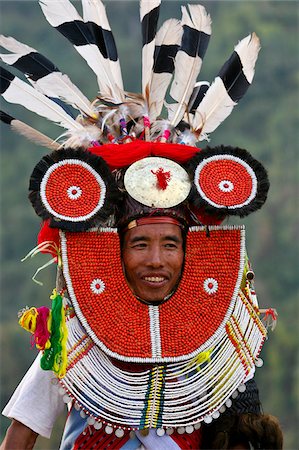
<point x="48" y="234"/>
<point x="118" y="156"/>
<point x="99" y="440"/>
<point x="187" y="441"/>
<point x="204" y="218"/>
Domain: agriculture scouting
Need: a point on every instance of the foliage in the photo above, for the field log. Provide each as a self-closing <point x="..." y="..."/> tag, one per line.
<point x="264" y="123"/>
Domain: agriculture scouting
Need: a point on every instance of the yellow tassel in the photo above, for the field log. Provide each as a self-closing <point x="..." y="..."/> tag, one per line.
<point x="28" y="320"/>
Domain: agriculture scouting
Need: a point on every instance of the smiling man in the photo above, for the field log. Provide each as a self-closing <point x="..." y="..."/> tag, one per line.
<point x="154" y="332"/>
<point x="153" y="257"/>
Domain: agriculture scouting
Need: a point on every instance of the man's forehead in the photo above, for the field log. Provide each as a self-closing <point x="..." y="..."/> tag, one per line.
<point x="154" y="231"/>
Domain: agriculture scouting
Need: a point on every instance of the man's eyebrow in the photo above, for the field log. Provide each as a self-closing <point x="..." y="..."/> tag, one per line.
<point x="172" y="237"/>
<point x="139" y="238"/>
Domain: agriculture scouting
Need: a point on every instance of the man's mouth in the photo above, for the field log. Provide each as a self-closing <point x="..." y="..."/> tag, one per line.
<point x="154" y="279"/>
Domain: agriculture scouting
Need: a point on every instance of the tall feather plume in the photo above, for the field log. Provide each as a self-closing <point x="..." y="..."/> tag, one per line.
<point x="228" y="88"/>
<point x="94" y="13"/>
<point x="149" y="15"/>
<point x="63" y="16"/>
<point x="17" y="91"/>
<point x="167" y="43"/>
<point x="28" y="132"/>
<point x="197" y="30"/>
<point x="43" y="74"/>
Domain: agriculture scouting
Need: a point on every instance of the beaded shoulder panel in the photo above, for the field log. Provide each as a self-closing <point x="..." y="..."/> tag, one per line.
<point x="191" y="321"/>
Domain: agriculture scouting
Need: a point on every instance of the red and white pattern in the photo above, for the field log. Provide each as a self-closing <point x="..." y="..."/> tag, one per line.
<point x="225" y="181"/>
<point x="97" y="286"/>
<point x="210" y="285"/>
<point x="72" y="190"/>
<point x="191" y="320"/>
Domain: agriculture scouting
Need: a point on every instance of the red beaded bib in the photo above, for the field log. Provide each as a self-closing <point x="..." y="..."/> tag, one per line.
<point x="188" y="323"/>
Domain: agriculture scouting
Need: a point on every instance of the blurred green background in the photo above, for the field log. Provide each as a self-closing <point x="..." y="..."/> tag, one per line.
<point x="265" y="123"/>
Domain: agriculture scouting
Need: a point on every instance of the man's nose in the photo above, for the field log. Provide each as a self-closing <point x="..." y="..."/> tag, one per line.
<point x="155" y="258"/>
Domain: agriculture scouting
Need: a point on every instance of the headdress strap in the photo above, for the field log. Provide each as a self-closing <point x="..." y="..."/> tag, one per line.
<point x="152" y="220"/>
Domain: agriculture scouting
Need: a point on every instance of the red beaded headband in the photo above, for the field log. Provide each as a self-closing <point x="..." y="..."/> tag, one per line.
<point x="152" y="220"/>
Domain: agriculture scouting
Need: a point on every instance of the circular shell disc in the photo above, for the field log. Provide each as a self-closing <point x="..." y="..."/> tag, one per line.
<point x="157" y="182"/>
<point x="72" y="190"/>
<point x="226" y="181"/>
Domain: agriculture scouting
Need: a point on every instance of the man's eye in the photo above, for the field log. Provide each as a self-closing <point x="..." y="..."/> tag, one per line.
<point x="170" y="245"/>
<point x="139" y="245"/>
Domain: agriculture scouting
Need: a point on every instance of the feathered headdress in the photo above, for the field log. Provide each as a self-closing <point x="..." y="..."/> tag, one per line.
<point x="172" y="57"/>
<point x="171" y="61"/>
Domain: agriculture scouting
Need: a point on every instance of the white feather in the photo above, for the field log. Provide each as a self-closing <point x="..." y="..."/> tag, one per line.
<point x="14" y="46"/>
<point x="248" y="49"/>
<point x="54" y="85"/>
<point x="59" y="12"/>
<point x="82" y="138"/>
<point x="170" y="33"/>
<point x="186" y="67"/>
<point x="95" y="11"/>
<point x="147" y="5"/>
<point x="198" y="19"/>
<point x="25" y="95"/>
<point x="136" y="105"/>
<point x="214" y="108"/>
<point x="59" y="85"/>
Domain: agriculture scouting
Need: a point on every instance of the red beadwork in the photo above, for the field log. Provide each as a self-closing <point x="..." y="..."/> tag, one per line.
<point x="225" y="182"/>
<point x="68" y="176"/>
<point x="187" y="319"/>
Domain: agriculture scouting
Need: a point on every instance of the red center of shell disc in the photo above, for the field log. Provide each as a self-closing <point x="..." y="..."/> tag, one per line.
<point x="61" y="179"/>
<point x="215" y="172"/>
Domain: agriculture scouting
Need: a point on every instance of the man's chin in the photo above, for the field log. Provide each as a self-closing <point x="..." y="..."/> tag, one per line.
<point x="156" y="297"/>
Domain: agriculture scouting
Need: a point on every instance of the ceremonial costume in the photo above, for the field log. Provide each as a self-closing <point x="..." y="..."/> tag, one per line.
<point x="132" y="371"/>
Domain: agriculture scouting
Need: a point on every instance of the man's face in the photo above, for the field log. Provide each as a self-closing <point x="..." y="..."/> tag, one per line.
<point x="153" y="259"/>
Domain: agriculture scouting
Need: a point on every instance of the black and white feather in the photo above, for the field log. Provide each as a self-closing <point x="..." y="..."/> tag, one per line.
<point x="17" y="91"/>
<point x="228" y="87"/>
<point x="116" y="115"/>
<point x="196" y="34"/>
<point x="21" y="93"/>
<point x="88" y="39"/>
<point x="198" y="93"/>
<point x="149" y="15"/>
<point x="167" y="43"/>
<point x="43" y="74"/>
<point x="94" y="13"/>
